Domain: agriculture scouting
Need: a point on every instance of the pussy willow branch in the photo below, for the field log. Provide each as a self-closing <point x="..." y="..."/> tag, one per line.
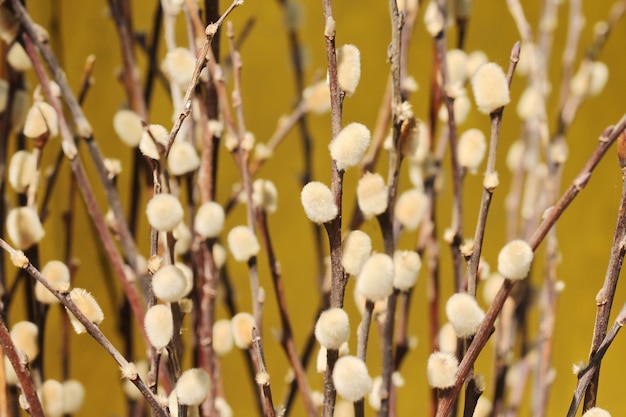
<point x="210" y="32"/>
<point x="457" y="174"/>
<point x="496" y="121"/>
<point x="87" y="192"/>
<point x="585" y="376"/>
<point x="485" y="329"/>
<point x="91" y="328"/>
<point x="262" y="376"/>
<point x="400" y="132"/>
<point x="604" y="298"/>
<point x="83" y="129"/>
<point x="287" y="340"/>
<point x="130" y="74"/>
<point x="333" y="228"/>
<point x="26" y="383"/>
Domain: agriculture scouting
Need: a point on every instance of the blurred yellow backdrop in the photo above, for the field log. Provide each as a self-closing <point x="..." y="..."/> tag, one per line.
<point x="585" y="231"/>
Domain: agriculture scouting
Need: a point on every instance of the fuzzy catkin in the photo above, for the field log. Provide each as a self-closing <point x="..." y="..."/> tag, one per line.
<point x="318" y="202"/>
<point x="159" y="325"/>
<point x="265" y="195"/>
<point x="209" y="220"/>
<point x="332" y="328"/>
<point x="317" y="98"/>
<point x="73" y="396"/>
<point x="351" y="378"/>
<point x="164" y="212"/>
<point x="52" y="398"/>
<point x="41" y="119"/>
<point x="348" y="68"/>
<point x="182" y="158"/>
<point x="410" y="208"/>
<point x="169" y="283"/>
<point x="491" y="90"/>
<point x="192" y="387"/>
<point x="58" y="275"/>
<point x="88" y="305"/>
<point x="596" y="412"/>
<point x="127" y="125"/>
<point x="348" y="148"/>
<point x="24" y="337"/>
<point x="153" y="133"/>
<point x="357" y="247"/>
<point x="242" y="243"/>
<point x="407" y="265"/>
<point x="371" y="193"/>
<point x="241" y="326"/>
<point x="21" y="169"/>
<point x="179" y="64"/>
<point x="222" y="337"/>
<point x="375" y="282"/>
<point x="471" y="149"/>
<point x="441" y="369"/>
<point x="24" y="227"/>
<point x="464" y="314"/>
<point x="515" y="259"/>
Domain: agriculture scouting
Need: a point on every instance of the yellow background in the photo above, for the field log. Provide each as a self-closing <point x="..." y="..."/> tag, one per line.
<point x="585" y="231"/>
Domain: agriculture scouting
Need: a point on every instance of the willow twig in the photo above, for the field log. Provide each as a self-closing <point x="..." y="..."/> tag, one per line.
<point x="484" y="331"/>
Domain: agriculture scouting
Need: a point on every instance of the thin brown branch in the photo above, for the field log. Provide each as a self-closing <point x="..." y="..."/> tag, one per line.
<point x="485" y="329"/>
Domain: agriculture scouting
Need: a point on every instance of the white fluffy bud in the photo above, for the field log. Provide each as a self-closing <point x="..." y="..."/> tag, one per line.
<point x="348" y="148"/>
<point x="596" y="412"/>
<point x="515" y="259"/>
<point x="351" y="378"/>
<point x="332" y="328"/>
<point x="441" y="370"/>
<point x="21" y="169"/>
<point x="159" y="325"/>
<point x="243" y="243"/>
<point x="317" y="98"/>
<point x="241" y="326"/>
<point x="209" y="220"/>
<point x="357" y="247"/>
<point x="464" y="314"/>
<point x="491" y="90"/>
<point x="58" y="275"/>
<point x="88" y="306"/>
<point x="348" y="68"/>
<point x="179" y="63"/>
<point x="318" y="202"/>
<point x="471" y="149"/>
<point x="192" y="387"/>
<point x="222" y="337"/>
<point x="182" y="158"/>
<point x="41" y="119"/>
<point x="127" y="125"/>
<point x="407" y="265"/>
<point x="24" y="337"/>
<point x="371" y="193"/>
<point x="164" y="212"/>
<point x="153" y="133"/>
<point x="24" y="227"/>
<point x="169" y="283"/>
<point x="410" y="208"/>
<point x="375" y="282"/>
<point x="265" y="195"/>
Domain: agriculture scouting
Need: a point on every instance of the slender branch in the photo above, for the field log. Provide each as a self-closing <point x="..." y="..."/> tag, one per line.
<point x="287" y="339"/>
<point x="90" y="327"/>
<point x="586" y="375"/>
<point x="263" y="379"/>
<point x="604" y="299"/>
<point x="21" y="370"/>
<point x="485" y="329"/>
<point x="496" y="120"/>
